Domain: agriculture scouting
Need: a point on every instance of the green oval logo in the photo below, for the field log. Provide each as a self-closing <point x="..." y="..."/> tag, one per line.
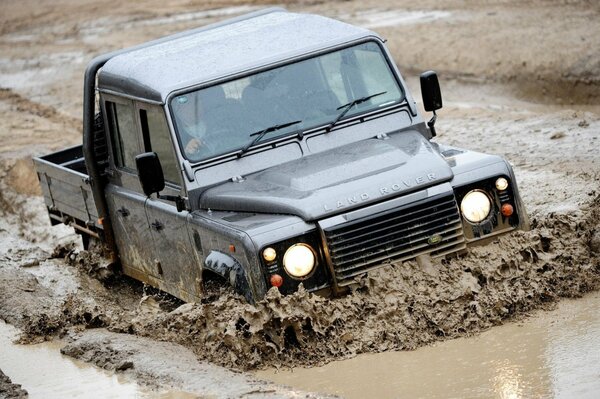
<point x="434" y="239"/>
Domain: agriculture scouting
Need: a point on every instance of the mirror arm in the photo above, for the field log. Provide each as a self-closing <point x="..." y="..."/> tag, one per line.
<point x="431" y="124"/>
<point x="178" y="199"/>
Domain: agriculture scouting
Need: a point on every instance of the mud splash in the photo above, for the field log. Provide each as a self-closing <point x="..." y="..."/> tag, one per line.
<point x="402" y="306"/>
<point x="550" y="354"/>
<point x="399" y="307"/>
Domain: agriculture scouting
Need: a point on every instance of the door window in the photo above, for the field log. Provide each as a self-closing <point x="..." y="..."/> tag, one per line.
<point x="124" y="134"/>
<point x="157" y="138"/>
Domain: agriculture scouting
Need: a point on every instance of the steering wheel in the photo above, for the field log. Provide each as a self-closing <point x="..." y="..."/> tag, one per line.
<point x="209" y="143"/>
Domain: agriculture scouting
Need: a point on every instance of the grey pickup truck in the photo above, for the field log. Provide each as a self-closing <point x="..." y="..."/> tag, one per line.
<point x="272" y="149"/>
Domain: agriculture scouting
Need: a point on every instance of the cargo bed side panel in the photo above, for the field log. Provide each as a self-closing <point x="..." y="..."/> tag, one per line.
<point x="65" y="185"/>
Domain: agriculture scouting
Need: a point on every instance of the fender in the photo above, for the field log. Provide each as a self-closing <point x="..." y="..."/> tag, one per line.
<point x="230" y="269"/>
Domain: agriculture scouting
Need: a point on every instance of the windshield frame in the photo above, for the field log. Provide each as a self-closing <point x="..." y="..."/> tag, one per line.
<point x="295" y="133"/>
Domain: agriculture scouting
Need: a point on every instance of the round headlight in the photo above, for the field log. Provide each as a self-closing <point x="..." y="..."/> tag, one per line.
<point x="299" y="260"/>
<point x="501" y="184"/>
<point x="475" y="206"/>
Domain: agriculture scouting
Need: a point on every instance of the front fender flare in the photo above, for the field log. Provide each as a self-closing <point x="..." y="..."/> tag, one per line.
<point x="230" y="269"/>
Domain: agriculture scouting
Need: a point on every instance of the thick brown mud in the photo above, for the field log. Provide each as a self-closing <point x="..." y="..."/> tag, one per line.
<point x="400" y="306"/>
<point x="551" y="354"/>
<point x="503" y="95"/>
<point x="8" y="390"/>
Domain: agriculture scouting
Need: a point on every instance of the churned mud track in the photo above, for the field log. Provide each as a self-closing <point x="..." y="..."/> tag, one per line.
<point x="534" y="106"/>
<point x="24" y="105"/>
<point x="397" y="307"/>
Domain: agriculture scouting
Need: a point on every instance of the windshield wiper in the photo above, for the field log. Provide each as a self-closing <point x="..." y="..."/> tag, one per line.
<point x="260" y="134"/>
<point x="348" y="107"/>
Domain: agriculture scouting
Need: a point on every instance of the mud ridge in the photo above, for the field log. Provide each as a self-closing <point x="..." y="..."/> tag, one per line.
<point x="170" y="364"/>
<point x="8" y="390"/>
<point x="401" y="306"/>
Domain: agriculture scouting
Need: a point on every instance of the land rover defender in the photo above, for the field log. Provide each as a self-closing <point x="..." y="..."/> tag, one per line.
<point x="272" y="149"/>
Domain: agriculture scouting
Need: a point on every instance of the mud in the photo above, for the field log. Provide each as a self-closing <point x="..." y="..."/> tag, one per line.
<point x="551" y="354"/>
<point x="504" y="91"/>
<point x="8" y="390"/>
<point x="171" y="365"/>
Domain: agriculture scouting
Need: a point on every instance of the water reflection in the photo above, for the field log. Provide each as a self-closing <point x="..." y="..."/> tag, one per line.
<point x="554" y="354"/>
<point x="45" y="373"/>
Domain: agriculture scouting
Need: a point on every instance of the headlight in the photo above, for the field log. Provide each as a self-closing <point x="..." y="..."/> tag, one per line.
<point x="299" y="260"/>
<point x="475" y="206"/>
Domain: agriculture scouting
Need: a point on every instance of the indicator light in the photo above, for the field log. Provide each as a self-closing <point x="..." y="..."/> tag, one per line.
<point x="507" y="210"/>
<point x="276" y="280"/>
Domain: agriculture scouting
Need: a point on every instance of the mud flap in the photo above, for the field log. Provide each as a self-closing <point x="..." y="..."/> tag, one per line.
<point x="226" y="266"/>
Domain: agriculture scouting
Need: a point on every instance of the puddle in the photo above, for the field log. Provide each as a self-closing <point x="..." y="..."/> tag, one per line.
<point x="380" y="18"/>
<point x="45" y="373"/>
<point x="554" y="354"/>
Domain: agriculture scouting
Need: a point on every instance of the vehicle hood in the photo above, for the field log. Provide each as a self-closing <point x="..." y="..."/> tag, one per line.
<point x="336" y="180"/>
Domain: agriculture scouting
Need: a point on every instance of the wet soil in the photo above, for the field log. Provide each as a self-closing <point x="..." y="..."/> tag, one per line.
<point x="548" y="355"/>
<point x="9" y="390"/>
<point x="507" y="91"/>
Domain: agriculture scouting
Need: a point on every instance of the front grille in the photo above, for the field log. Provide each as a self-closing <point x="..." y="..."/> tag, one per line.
<point x="395" y="235"/>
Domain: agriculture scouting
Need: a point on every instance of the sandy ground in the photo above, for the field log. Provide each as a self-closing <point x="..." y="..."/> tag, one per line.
<point x="520" y="79"/>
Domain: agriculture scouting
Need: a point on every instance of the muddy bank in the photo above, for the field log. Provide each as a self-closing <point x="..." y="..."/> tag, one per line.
<point x="512" y="42"/>
<point x="167" y="364"/>
<point x="8" y="390"/>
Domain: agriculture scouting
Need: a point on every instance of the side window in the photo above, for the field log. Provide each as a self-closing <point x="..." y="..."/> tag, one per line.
<point x="158" y="139"/>
<point x="123" y="134"/>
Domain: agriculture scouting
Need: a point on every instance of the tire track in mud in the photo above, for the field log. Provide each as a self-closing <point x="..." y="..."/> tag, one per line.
<point x="25" y="105"/>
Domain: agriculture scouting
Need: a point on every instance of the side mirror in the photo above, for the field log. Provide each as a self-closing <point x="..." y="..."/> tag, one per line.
<point x="150" y="173"/>
<point x="430" y="91"/>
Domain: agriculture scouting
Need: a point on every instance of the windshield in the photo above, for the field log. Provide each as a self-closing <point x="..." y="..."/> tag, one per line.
<point x="220" y="119"/>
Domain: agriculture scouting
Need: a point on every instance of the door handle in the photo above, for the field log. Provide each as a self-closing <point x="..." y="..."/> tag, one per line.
<point x="123" y="211"/>
<point x="156" y="225"/>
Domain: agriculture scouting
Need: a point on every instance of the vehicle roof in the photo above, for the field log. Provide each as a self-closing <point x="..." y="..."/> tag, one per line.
<point x="153" y="72"/>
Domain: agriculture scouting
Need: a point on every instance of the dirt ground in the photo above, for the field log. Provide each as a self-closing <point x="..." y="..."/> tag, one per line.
<point x="9" y="390"/>
<point x="519" y="79"/>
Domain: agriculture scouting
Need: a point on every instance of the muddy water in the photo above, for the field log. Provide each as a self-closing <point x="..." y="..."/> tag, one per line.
<point x="45" y="373"/>
<point x="553" y="354"/>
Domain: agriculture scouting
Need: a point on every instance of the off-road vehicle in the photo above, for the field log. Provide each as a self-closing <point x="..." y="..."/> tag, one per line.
<point x="273" y="149"/>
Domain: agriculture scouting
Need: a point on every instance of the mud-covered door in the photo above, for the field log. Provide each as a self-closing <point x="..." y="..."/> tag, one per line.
<point x="174" y="254"/>
<point x="173" y="251"/>
<point x="124" y="195"/>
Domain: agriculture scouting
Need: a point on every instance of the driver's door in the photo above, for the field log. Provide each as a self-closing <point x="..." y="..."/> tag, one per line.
<point x="173" y="251"/>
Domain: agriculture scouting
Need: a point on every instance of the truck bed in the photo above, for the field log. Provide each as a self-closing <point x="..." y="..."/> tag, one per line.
<point x="66" y="188"/>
